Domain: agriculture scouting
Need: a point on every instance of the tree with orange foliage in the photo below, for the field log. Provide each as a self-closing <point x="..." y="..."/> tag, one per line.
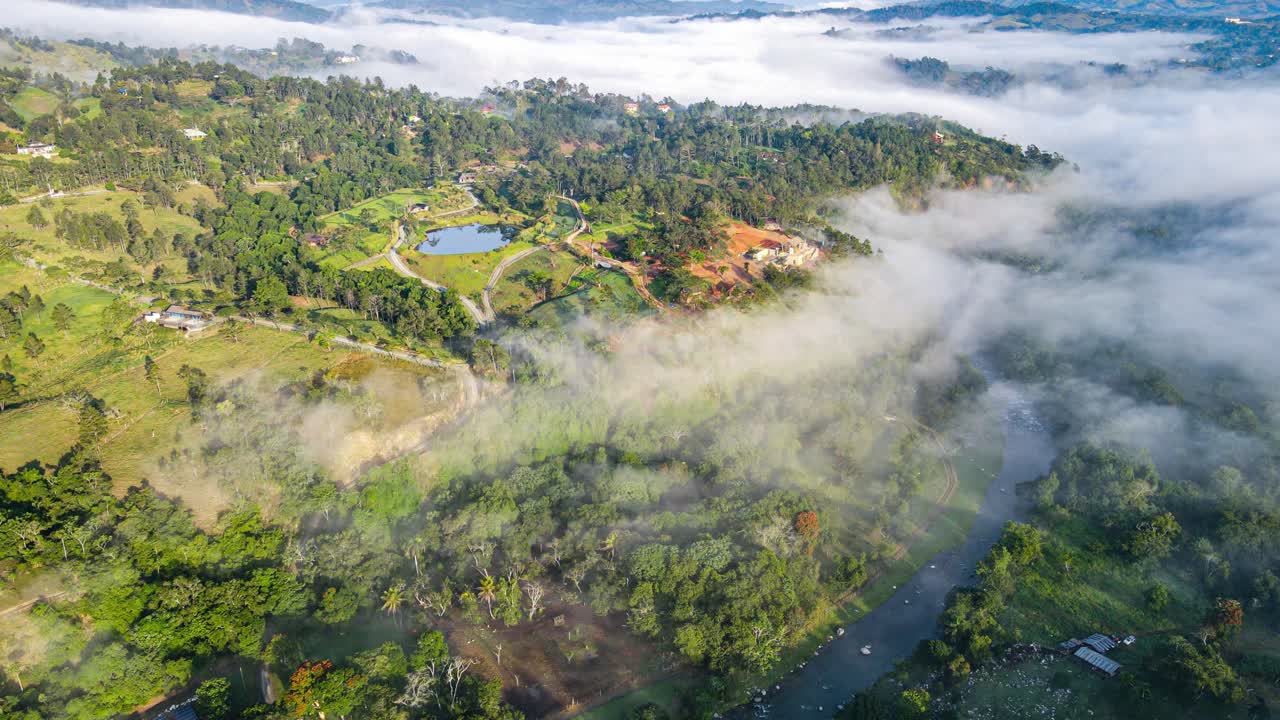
<point x="1225" y="617"/>
<point x="317" y="690"/>
<point x="809" y="528"/>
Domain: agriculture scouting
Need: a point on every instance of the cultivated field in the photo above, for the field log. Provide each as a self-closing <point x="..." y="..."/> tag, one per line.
<point x="514" y="293"/>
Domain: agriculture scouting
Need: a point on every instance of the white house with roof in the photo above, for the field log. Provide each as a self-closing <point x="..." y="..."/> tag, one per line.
<point x="44" y="150"/>
<point x="194" y="133"/>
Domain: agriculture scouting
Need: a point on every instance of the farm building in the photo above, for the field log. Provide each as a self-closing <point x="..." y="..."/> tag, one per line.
<point x="176" y="317"/>
<point x="1097" y="661"/>
<point x="766" y="250"/>
<point x="1101" y="643"/>
<point x="43" y="150"/>
<point x="664" y="109"/>
<point x="194" y="133"/>
<point x="466" y="178"/>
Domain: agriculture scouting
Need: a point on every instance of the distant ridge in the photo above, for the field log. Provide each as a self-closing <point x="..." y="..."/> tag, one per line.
<point x="562" y="11"/>
<point x="281" y="9"/>
<point x="1251" y="9"/>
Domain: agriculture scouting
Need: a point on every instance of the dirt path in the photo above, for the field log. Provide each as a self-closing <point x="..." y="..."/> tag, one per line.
<point x="365" y="262"/>
<point x="497" y="275"/>
<point x="28" y="603"/>
<point x="41" y="196"/>
<point x="403" y="268"/>
<point x="635" y="274"/>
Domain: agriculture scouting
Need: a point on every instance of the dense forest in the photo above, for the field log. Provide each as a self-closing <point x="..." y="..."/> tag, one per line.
<point x="659" y="514"/>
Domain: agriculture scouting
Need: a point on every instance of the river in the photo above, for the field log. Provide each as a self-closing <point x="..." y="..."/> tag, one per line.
<point x="896" y="627"/>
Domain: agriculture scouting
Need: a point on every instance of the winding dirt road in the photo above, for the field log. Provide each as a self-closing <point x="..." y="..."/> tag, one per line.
<point x="403" y="268"/>
<point x="635" y="274"/>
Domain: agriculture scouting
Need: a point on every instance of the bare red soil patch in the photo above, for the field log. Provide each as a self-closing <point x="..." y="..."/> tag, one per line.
<point x="731" y="268"/>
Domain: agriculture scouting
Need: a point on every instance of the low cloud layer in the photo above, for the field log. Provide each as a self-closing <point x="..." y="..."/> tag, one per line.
<point x="1179" y="139"/>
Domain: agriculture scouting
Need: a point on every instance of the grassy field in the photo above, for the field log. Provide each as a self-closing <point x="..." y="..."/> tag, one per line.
<point x="606" y="294"/>
<point x="33" y="102"/>
<point x="146" y="422"/>
<point x="45" y="246"/>
<point x="1051" y="604"/>
<point x="79" y="63"/>
<point x="89" y="108"/>
<point x="467" y="273"/>
<point x="380" y="210"/>
<point x="513" y="295"/>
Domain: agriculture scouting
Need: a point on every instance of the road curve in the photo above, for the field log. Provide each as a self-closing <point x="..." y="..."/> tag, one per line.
<point x="497" y="275"/>
<point x="633" y="273"/>
<point x="403" y="268"/>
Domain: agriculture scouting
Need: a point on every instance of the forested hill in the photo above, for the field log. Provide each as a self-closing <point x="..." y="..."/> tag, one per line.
<point x="282" y="9"/>
<point x="1202" y="8"/>
<point x="1233" y="47"/>
<point x="562" y="11"/>
<point x="344" y="142"/>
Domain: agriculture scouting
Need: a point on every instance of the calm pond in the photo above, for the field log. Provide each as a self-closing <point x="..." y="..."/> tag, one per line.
<point x="465" y="239"/>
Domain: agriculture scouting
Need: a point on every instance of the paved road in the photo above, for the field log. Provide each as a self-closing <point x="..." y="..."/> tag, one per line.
<point x="403" y="268"/>
<point x="894" y="628"/>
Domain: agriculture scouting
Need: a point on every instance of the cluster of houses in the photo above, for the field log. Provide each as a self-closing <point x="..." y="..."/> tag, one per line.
<point x="633" y="108"/>
<point x="176" y="317"/>
<point x="471" y="176"/>
<point x="44" y="150"/>
<point x="785" y="254"/>
<point x="1092" y="651"/>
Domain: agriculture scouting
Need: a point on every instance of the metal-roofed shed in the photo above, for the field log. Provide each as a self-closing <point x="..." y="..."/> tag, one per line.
<point x="1100" y="643"/>
<point x="1098" y="661"/>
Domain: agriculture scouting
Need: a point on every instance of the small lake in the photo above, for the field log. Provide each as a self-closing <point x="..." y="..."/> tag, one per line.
<point x="465" y="239"/>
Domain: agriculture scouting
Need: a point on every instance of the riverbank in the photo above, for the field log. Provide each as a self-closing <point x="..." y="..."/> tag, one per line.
<point x="975" y="469"/>
<point x="909" y="614"/>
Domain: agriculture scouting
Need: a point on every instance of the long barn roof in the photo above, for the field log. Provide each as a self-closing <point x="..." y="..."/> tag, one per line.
<point x="1098" y="660"/>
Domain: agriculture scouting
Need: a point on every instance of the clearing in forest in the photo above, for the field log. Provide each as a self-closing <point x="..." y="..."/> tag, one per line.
<point x="732" y="266"/>
<point x="564" y="662"/>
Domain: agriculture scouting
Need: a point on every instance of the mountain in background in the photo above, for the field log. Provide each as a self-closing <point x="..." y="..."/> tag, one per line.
<point x="282" y="9"/>
<point x="1198" y="8"/>
<point x="558" y="11"/>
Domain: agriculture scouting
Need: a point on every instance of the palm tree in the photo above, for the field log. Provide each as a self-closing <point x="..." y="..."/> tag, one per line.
<point x="392" y="599"/>
<point x="488" y="591"/>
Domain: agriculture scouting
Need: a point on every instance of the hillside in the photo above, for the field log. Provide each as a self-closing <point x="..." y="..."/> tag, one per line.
<point x="77" y="63"/>
<point x="558" y="11"/>
<point x="1198" y="8"/>
<point x="282" y="9"/>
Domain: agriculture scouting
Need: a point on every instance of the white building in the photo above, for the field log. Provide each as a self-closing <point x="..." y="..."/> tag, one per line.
<point x="39" y="150"/>
<point x="194" y="133"/>
<point x="346" y="59"/>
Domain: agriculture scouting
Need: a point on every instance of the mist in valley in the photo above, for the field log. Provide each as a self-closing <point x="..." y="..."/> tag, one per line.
<point x="1155" y="247"/>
